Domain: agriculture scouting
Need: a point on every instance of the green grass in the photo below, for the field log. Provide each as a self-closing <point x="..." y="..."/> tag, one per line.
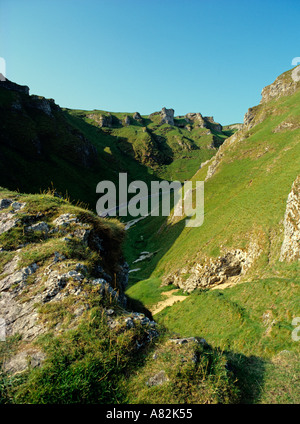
<point x="245" y="200"/>
<point x="249" y="325"/>
<point x="38" y="247"/>
<point x="233" y="318"/>
<point x="86" y="361"/>
<point x="148" y="291"/>
<point x="168" y="151"/>
<point x="252" y="322"/>
<point x="205" y="381"/>
<point x="83" y="366"/>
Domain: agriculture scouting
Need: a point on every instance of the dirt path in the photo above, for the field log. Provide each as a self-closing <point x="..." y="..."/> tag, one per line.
<point x="171" y="299"/>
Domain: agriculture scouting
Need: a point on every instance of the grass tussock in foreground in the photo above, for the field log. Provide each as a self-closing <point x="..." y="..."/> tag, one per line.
<point x="92" y="364"/>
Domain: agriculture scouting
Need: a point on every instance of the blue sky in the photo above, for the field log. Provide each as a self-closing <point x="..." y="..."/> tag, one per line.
<point x="208" y="56"/>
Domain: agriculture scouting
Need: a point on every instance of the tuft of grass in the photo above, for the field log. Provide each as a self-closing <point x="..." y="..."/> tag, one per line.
<point x="194" y="374"/>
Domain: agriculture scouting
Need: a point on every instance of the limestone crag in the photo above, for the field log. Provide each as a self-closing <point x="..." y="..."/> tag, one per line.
<point x="27" y="286"/>
<point x="102" y="120"/>
<point x="249" y="118"/>
<point x="213" y="272"/>
<point x="137" y="116"/>
<point x="216" y="126"/>
<point x="45" y="105"/>
<point x="235" y="127"/>
<point x="197" y="119"/>
<point x="167" y="116"/>
<point x="290" y="249"/>
<point x="284" y="85"/>
<point x="127" y="120"/>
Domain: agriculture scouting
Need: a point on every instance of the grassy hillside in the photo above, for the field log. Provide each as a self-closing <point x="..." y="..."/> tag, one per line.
<point x="53" y="149"/>
<point x="252" y="324"/>
<point x="245" y="201"/>
<point x="68" y="150"/>
<point x="171" y="151"/>
<point x="246" y="318"/>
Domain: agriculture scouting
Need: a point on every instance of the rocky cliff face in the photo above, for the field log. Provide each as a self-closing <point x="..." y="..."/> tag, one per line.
<point x="284" y="85"/>
<point x="290" y="249"/>
<point x="228" y="268"/>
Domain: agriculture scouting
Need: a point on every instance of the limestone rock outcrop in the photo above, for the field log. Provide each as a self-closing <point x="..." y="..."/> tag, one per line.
<point x="27" y="286"/>
<point x="290" y="249"/>
<point x="249" y="118"/>
<point x="216" y="126"/>
<point x="127" y="120"/>
<point x="237" y="127"/>
<point x="137" y="116"/>
<point x="167" y="116"/>
<point x="284" y="85"/>
<point x="102" y="120"/>
<point x="227" y="268"/>
<point x="197" y="119"/>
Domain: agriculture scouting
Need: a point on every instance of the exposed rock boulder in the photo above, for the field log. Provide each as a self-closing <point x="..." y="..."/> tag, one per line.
<point x="197" y="119"/>
<point x="39" y="226"/>
<point x="102" y="120"/>
<point x="59" y="282"/>
<point x="20" y="317"/>
<point x="186" y="340"/>
<point x="158" y="379"/>
<point x="30" y="357"/>
<point x="65" y="220"/>
<point x="167" y="116"/>
<point x="216" y="126"/>
<point x="7" y="222"/>
<point x="290" y="249"/>
<point x="137" y="116"/>
<point x="5" y="203"/>
<point x="127" y="120"/>
<point x="249" y="118"/>
<point x="8" y="219"/>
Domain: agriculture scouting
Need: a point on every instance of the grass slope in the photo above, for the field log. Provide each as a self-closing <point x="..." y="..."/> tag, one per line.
<point x="173" y="152"/>
<point x="245" y="200"/>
